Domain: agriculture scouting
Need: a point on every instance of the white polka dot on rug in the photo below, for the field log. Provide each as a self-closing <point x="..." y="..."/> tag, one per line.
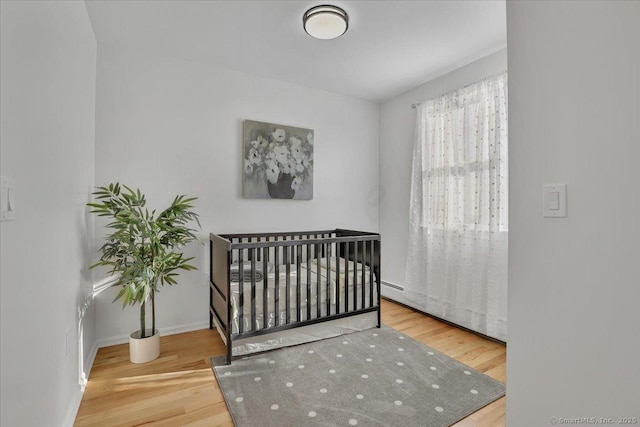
<point x="345" y="342"/>
<point x="301" y="366"/>
<point x="433" y="368"/>
<point x="368" y="359"/>
<point x="401" y="338"/>
<point x="274" y="407"/>
<point x="226" y="374"/>
<point x="312" y="414"/>
<point x="338" y="355"/>
<point x="332" y="371"/>
<point x="372" y="346"/>
<point x="289" y="384"/>
<point x="311" y="352"/>
<point x="239" y="399"/>
<point x="474" y="391"/>
<point x="353" y="422"/>
<point x="401" y="349"/>
<point x="323" y="390"/>
<point x="359" y="396"/>
<point x="375" y="335"/>
<point x="467" y="373"/>
<point x="400" y="364"/>
<point x="399" y="381"/>
<point x="439" y="409"/>
<point x="257" y="379"/>
<point x="271" y="362"/>
<point x="365" y="376"/>
<point x="436" y="386"/>
<point x="398" y="402"/>
<point x="430" y="353"/>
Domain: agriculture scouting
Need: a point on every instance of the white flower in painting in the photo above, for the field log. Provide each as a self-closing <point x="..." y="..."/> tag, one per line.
<point x="310" y="138"/>
<point x="292" y="164"/>
<point x="248" y="167"/>
<point x="255" y="143"/>
<point x="254" y="156"/>
<point x="278" y="135"/>
<point x="282" y="154"/>
<point x="305" y="161"/>
<point x="295" y="142"/>
<point x="296" y="152"/>
<point x="295" y="184"/>
<point x="299" y="168"/>
<point x="272" y="171"/>
<point x="285" y="168"/>
<point x="262" y="143"/>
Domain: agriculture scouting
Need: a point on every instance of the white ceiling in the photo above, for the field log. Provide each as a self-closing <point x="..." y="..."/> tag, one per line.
<point x="391" y="46"/>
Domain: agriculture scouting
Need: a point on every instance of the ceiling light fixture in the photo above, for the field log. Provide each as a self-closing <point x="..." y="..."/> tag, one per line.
<point x="325" y="22"/>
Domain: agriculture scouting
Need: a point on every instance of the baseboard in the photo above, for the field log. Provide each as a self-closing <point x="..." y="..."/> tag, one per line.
<point x="74" y="405"/>
<point x="171" y="330"/>
<point x="392" y="285"/>
<point x="403" y="302"/>
<point x="89" y="362"/>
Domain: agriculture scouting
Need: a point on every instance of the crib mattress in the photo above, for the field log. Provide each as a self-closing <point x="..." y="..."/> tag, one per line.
<point x="328" y="284"/>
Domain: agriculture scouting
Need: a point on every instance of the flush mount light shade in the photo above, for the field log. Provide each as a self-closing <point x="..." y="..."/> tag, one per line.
<point x="325" y="22"/>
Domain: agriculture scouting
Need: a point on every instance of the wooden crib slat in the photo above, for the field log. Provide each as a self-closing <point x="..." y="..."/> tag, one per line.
<point x="355" y="275"/>
<point x="308" y="282"/>
<point x="276" y="303"/>
<point x="327" y="254"/>
<point x="338" y="281"/>
<point x="378" y="279"/>
<point x="252" y="256"/>
<point x="241" y="289"/>
<point x="265" y="284"/>
<point x="346" y="277"/>
<point x="288" y="285"/>
<point x="298" y="281"/>
<point x="316" y="249"/>
<point x="371" y="275"/>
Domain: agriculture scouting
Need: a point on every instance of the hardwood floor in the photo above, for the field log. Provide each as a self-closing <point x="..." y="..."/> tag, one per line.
<point x="179" y="388"/>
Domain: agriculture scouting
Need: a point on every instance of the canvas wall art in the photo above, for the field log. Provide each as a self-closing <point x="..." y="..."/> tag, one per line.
<point x="278" y="161"/>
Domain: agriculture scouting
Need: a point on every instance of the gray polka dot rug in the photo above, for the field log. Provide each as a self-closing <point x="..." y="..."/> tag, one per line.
<point x="376" y="377"/>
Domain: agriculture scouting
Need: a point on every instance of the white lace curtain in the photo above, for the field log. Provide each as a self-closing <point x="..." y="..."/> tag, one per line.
<point x="457" y="257"/>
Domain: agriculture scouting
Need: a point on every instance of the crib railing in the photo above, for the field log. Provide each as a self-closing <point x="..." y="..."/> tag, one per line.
<point x="296" y="254"/>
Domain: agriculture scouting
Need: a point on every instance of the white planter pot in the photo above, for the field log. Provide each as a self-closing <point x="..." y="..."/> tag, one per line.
<point x="143" y="350"/>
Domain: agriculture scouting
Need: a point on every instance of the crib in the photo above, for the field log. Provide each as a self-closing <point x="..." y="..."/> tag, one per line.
<point x="264" y="285"/>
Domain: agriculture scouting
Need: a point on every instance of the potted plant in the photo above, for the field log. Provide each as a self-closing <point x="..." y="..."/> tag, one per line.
<point x="143" y="251"/>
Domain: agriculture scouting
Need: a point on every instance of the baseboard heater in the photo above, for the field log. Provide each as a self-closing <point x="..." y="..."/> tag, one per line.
<point x="392" y="285"/>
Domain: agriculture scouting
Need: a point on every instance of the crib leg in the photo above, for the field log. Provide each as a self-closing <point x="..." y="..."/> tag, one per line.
<point x="229" y="348"/>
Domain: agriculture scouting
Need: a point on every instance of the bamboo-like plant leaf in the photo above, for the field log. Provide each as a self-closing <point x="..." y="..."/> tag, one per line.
<point x="142" y="247"/>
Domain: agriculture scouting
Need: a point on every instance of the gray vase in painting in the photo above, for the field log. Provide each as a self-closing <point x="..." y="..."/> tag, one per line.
<point x="282" y="188"/>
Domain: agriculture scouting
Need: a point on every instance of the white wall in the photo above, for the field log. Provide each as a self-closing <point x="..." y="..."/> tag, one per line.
<point x="171" y="126"/>
<point x="574" y="283"/>
<point x="47" y="96"/>
<point x="397" y="125"/>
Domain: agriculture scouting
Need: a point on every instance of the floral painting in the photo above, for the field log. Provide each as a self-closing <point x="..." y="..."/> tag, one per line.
<point x="278" y="161"/>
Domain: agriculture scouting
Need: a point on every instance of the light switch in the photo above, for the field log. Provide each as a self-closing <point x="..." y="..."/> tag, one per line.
<point x="7" y="199"/>
<point x="554" y="201"/>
